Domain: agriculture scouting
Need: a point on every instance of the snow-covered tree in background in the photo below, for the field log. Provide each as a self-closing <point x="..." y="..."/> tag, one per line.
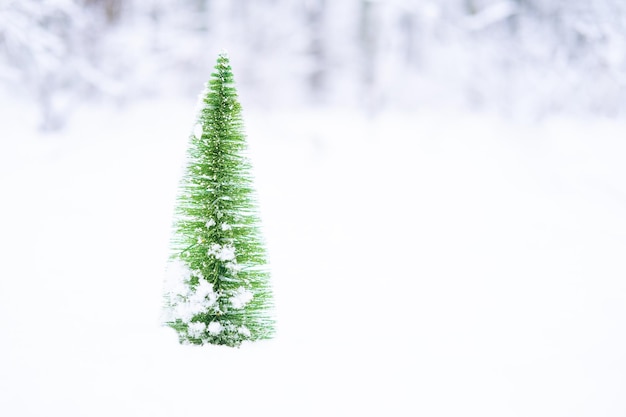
<point x="40" y="50"/>
<point x="50" y="50"/>
<point x="514" y="56"/>
<point x="218" y="288"/>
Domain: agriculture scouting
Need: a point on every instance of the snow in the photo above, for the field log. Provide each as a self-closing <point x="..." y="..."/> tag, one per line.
<point x="176" y="274"/>
<point x="223" y="253"/>
<point x="234" y="266"/>
<point x="196" y="329"/>
<point x="241" y="297"/>
<point x="215" y="327"/>
<point x="186" y="302"/>
<point x="436" y="264"/>
<point x="197" y="130"/>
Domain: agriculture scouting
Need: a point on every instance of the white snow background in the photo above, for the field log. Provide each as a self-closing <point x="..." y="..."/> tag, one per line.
<point x="424" y="264"/>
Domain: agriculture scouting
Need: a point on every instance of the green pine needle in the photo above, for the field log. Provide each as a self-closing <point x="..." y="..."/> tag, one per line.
<point x="219" y="290"/>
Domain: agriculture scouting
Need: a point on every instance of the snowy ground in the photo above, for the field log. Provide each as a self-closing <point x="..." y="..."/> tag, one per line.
<point x="423" y="264"/>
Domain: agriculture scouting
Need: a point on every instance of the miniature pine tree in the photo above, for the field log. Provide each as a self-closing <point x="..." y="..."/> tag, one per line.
<point x="218" y="281"/>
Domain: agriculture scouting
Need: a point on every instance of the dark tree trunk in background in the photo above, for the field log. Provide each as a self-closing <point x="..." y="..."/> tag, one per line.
<point x="368" y="45"/>
<point x="367" y="39"/>
<point x="408" y="24"/>
<point x="315" y="19"/>
<point x="112" y="9"/>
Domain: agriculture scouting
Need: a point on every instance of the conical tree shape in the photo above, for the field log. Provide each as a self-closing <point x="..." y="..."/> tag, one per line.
<point x="218" y="282"/>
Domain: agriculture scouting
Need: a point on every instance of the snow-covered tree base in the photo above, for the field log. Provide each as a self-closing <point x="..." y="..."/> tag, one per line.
<point x="202" y="315"/>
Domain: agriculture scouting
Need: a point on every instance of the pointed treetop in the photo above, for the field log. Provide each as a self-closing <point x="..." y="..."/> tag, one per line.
<point x="223" y="60"/>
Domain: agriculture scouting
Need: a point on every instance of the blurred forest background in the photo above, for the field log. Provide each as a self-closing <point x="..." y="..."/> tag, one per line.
<point x="518" y="57"/>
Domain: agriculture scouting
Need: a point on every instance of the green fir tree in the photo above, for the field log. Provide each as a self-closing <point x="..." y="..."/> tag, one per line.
<point x="218" y="288"/>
